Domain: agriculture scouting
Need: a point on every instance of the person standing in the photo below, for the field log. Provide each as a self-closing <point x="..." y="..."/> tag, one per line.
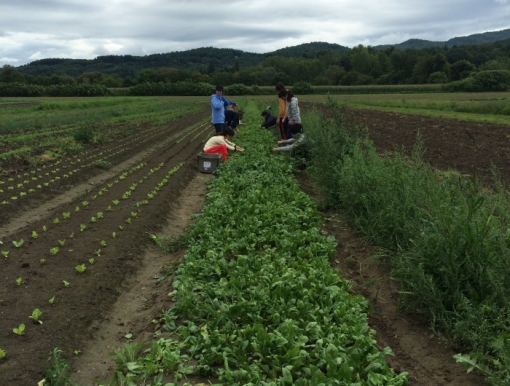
<point x="292" y="112"/>
<point x="218" y="110"/>
<point x="281" y="119"/>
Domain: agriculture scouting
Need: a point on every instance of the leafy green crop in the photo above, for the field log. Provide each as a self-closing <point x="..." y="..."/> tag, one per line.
<point x="20" y="330"/>
<point x="36" y="316"/>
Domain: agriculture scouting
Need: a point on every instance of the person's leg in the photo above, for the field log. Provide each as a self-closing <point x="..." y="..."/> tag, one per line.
<point x="282" y="130"/>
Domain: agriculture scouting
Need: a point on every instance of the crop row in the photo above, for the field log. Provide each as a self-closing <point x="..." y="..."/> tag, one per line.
<point x="257" y="301"/>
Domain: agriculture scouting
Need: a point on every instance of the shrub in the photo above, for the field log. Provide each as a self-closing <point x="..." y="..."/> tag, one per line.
<point x="302" y="88"/>
<point x="83" y="134"/>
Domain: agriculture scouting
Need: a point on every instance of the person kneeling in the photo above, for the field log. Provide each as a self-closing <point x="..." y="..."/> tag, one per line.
<point x="220" y="144"/>
<point x="298" y="138"/>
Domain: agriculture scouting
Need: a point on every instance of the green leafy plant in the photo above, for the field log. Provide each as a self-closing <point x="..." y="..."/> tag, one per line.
<point x="54" y="251"/>
<point x="52" y="301"/>
<point x="134" y="214"/>
<point x="98" y="252"/>
<point x="56" y="221"/>
<point x="93" y="219"/>
<point x="84" y="203"/>
<point x="36" y="316"/>
<point x="5" y="254"/>
<point x="44" y="228"/>
<point x="62" y="242"/>
<point x="66" y="283"/>
<point x="18" y="244"/>
<point x="34" y="235"/>
<point x="115" y="202"/>
<point x="92" y="261"/>
<point x="114" y="234"/>
<point x="80" y="268"/>
<point x="99" y="214"/>
<point x="42" y="261"/>
<point x="57" y="373"/>
<point x="3" y="353"/>
<point x="20" y="330"/>
<point x="103" y="243"/>
<point x="19" y="281"/>
<point x="77" y="209"/>
<point x="82" y="227"/>
<point x="66" y="215"/>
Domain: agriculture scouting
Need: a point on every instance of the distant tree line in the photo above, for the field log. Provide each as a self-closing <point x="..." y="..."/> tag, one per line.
<point x="320" y="64"/>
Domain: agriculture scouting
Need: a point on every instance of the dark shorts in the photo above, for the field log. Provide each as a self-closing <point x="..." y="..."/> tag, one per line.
<point x="218" y="127"/>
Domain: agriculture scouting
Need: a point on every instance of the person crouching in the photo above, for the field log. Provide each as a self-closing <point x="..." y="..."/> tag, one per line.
<point x="220" y="144"/>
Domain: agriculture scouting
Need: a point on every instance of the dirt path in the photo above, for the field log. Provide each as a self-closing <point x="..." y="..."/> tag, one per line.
<point x="138" y="309"/>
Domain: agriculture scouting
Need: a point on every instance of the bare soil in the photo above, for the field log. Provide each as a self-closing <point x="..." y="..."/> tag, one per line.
<point x="119" y="294"/>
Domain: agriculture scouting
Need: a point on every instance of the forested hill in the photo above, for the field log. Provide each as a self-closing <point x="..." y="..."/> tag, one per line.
<point x="481" y="38"/>
<point x="207" y="60"/>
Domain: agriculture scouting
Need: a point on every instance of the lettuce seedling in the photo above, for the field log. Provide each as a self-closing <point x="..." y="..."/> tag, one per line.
<point x="98" y="252"/>
<point x="66" y="214"/>
<point x="19" y="281"/>
<point x="20" y="330"/>
<point x="80" y="268"/>
<point x="3" y="353"/>
<point x="52" y="301"/>
<point x="114" y="235"/>
<point x="6" y="253"/>
<point x="77" y="209"/>
<point x="103" y="243"/>
<point x="121" y="227"/>
<point x="42" y="261"/>
<point x="44" y="228"/>
<point x="56" y="221"/>
<point x="34" y="235"/>
<point x="36" y="316"/>
<point x="82" y="227"/>
<point x="134" y="214"/>
<point x="66" y="283"/>
<point x="18" y="244"/>
<point x="54" y="251"/>
<point x="128" y="220"/>
<point x="99" y="214"/>
<point x="115" y="202"/>
<point x="84" y="203"/>
<point x="92" y="261"/>
<point x="62" y="242"/>
<point x="93" y="219"/>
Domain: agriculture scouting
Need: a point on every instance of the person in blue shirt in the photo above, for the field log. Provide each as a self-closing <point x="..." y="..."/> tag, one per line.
<point x="218" y="106"/>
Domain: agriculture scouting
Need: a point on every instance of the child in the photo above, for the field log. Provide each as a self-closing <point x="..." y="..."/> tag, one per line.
<point x="298" y="138"/>
<point x="220" y="144"/>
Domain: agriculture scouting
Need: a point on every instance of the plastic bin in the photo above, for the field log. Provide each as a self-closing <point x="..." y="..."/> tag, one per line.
<point x="208" y="163"/>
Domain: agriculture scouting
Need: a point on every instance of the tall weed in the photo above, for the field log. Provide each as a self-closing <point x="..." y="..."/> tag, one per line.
<point x="449" y="237"/>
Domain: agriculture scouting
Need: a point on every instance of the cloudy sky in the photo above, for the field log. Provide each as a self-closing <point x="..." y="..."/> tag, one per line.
<point x="85" y="29"/>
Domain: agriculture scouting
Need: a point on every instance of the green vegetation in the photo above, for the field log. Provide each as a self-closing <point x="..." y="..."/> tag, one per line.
<point x="257" y="301"/>
<point x="445" y="236"/>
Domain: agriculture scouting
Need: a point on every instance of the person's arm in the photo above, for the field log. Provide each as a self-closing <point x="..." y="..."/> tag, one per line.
<point x="232" y="146"/>
<point x="216" y="103"/>
<point x="286" y="141"/>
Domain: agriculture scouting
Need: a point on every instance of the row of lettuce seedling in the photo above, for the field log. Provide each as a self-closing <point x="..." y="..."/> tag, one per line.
<point x="33" y="177"/>
<point x="36" y="315"/>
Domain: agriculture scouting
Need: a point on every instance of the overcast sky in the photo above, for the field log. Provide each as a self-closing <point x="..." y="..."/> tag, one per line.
<point x="85" y="29"/>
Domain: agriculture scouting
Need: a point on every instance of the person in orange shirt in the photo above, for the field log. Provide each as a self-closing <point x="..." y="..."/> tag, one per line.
<point x="282" y="121"/>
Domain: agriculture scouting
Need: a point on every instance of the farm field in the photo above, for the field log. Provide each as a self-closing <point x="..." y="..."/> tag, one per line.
<point x="104" y="214"/>
<point x="76" y="214"/>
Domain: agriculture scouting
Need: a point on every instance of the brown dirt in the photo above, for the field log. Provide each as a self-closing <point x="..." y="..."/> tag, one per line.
<point x="119" y="295"/>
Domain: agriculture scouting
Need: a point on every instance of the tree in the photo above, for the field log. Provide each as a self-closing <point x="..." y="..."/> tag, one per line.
<point x="461" y="69"/>
<point x="9" y="74"/>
